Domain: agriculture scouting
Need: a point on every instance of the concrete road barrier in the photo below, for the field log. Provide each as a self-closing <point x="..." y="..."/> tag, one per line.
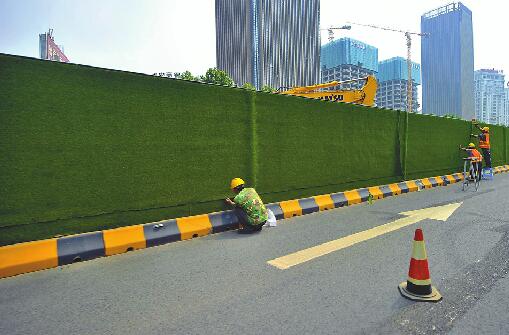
<point x="28" y="257"/>
<point x="33" y="256"/>
<point x="161" y="232"/>
<point x="82" y="247"/>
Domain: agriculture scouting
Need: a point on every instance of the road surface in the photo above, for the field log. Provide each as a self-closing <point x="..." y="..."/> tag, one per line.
<point x="225" y="283"/>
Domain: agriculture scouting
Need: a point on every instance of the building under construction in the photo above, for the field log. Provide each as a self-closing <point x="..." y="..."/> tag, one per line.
<point x="392" y="84"/>
<point x="346" y="59"/>
<point x="48" y="49"/>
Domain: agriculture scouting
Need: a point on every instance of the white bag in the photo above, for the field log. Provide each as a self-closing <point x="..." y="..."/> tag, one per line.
<point x="271" y="219"/>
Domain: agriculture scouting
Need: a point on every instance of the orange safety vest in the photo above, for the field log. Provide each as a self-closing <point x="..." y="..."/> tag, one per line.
<point x="485" y="144"/>
<point x="475" y="154"/>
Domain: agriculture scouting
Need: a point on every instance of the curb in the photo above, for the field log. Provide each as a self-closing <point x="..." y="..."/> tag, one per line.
<point x="44" y="254"/>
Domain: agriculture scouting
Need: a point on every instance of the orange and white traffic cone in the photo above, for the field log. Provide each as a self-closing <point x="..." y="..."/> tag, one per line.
<point x="418" y="285"/>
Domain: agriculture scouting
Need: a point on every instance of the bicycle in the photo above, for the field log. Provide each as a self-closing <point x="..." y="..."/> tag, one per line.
<point x="472" y="175"/>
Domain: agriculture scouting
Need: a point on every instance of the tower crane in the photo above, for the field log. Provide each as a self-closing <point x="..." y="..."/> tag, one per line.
<point x="409" y="55"/>
<point x="331" y="29"/>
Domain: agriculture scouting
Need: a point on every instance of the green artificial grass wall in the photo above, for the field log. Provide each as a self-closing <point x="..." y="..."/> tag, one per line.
<point x="80" y="142"/>
<point x="308" y="147"/>
<point x="433" y="145"/>
<point x="86" y="149"/>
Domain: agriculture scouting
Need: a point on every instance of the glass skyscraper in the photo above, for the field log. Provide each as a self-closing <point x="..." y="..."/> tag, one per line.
<point x="269" y="42"/>
<point x="447" y="60"/>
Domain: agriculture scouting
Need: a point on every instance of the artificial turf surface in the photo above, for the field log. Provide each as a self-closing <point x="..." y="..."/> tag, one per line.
<point x="86" y="149"/>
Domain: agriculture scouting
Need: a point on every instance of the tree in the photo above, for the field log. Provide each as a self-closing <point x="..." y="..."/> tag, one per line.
<point x="249" y="86"/>
<point x="186" y="75"/>
<point x="452" y="116"/>
<point x="215" y="76"/>
<point x="268" y="89"/>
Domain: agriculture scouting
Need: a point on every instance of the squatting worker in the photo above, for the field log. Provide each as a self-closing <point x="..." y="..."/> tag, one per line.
<point x="249" y="208"/>
<point x="476" y="158"/>
<point x="484" y="143"/>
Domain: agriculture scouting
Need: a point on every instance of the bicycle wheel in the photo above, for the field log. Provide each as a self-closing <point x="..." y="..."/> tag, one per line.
<point x="477" y="179"/>
<point x="465" y="176"/>
<point x="465" y="184"/>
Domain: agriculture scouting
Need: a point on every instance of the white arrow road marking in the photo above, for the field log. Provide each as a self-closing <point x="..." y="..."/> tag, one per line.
<point x="441" y="213"/>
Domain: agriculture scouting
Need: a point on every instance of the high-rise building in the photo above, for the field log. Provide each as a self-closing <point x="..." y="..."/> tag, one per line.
<point x="269" y="42"/>
<point x="447" y="61"/>
<point x="392" y="84"/>
<point x="490" y="96"/>
<point x="506" y="104"/>
<point x="49" y="50"/>
<point x="346" y="59"/>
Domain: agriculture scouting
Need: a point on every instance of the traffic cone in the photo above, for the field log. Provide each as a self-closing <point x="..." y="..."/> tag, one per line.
<point x="418" y="285"/>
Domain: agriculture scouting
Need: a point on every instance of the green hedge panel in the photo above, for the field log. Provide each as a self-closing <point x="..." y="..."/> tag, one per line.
<point x="78" y="141"/>
<point x="304" y="143"/>
<point x="433" y="144"/>
<point x="85" y="148"/>
<point x="498" y="145"/>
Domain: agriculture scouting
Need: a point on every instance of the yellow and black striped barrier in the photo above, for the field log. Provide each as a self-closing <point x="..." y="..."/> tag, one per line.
<point x="38" y="255"/>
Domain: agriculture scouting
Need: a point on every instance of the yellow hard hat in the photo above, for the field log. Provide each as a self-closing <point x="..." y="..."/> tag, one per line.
<point x="486" y="129"/>
<point x="471" y="145"/>
<point x="236" y="182"/>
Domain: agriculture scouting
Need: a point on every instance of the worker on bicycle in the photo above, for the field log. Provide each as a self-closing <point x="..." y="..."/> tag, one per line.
<point x="476" y="158"/>
<point x="484" y="143"/>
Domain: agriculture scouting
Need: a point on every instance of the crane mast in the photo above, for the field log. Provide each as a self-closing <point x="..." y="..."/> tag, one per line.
<point x="409" y="56"/>
<point x="409" y="68"/>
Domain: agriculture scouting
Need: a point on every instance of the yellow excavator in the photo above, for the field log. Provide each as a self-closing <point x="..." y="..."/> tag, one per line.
<point x="365" y="96"/>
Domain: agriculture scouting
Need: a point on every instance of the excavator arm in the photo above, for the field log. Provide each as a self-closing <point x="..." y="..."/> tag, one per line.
<point x="365" y="96"/>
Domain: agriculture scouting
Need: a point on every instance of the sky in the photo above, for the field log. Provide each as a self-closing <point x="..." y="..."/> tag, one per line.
<point x="151" y="36"/>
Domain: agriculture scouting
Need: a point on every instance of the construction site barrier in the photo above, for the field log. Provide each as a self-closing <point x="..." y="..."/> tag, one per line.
<point x="171" y="156"/>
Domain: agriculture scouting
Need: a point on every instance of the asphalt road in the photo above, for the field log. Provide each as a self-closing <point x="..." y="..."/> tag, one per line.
<point x="222" y="284"/>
